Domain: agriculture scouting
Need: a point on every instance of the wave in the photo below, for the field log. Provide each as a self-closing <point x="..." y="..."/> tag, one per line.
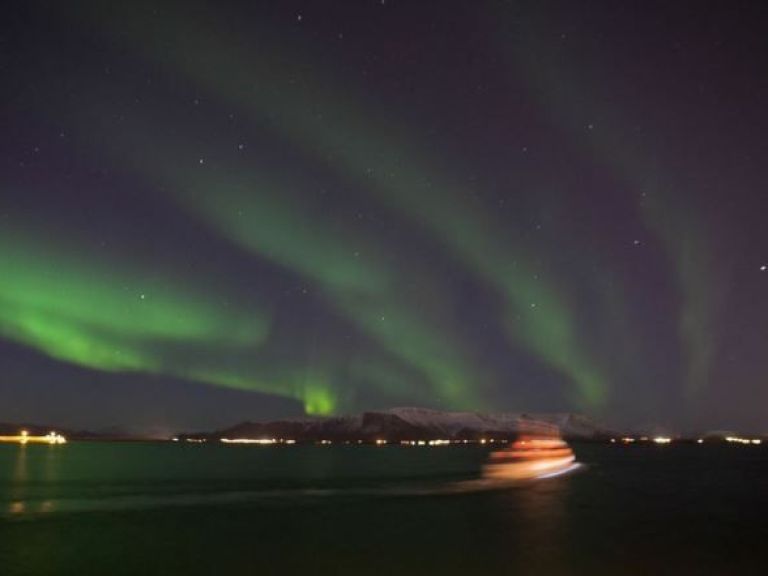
<point x="29" y="509"/>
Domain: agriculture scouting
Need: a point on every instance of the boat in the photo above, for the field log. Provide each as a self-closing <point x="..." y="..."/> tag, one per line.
<point x="540" y="452"/>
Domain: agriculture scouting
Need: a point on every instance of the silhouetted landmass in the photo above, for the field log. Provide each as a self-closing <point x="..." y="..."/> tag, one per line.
<point x="401" y="424"/>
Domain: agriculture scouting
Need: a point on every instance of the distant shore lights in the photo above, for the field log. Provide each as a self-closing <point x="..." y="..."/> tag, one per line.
<point x="739" y="440"/>
<point x="261" y="441"/>
<point x="24" y="437"/>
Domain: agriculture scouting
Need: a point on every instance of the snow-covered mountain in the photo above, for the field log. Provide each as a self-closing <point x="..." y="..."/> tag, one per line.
<point x="416" y="424"/>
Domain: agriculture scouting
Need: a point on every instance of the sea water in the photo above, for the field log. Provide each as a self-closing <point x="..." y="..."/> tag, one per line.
<point x="157" y="508"/>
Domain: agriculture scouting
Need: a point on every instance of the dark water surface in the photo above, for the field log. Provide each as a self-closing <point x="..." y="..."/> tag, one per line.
<point x="110" y="509"/>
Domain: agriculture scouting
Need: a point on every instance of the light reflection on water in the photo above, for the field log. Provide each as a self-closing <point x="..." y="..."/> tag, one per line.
<point x="20" y="466"/>
<point x="20" y="499"/>
<point x="542" y="526"/>
<point x="19" y="483"/>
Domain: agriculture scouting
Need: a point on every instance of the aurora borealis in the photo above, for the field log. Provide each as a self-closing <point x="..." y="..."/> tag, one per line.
<point x="213" y="211"/>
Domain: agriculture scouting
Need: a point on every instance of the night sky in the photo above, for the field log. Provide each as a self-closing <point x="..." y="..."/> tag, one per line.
<point x="212" y="212"/>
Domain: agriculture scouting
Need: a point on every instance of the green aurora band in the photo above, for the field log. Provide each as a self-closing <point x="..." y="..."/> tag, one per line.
<point x="254" y="209"/>
<point x="78" y="307"/>
<point x="678" y="227"/>
<point x="249" y="214"/>
<point x="379" y="159"/>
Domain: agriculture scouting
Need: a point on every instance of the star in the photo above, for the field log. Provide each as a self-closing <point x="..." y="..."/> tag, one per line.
<point x="763" y="268"/>
<point x="142" y="296"/>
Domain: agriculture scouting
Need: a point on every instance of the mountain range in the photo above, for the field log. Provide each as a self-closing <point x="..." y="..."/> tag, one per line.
<point x="400" y="424"/>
